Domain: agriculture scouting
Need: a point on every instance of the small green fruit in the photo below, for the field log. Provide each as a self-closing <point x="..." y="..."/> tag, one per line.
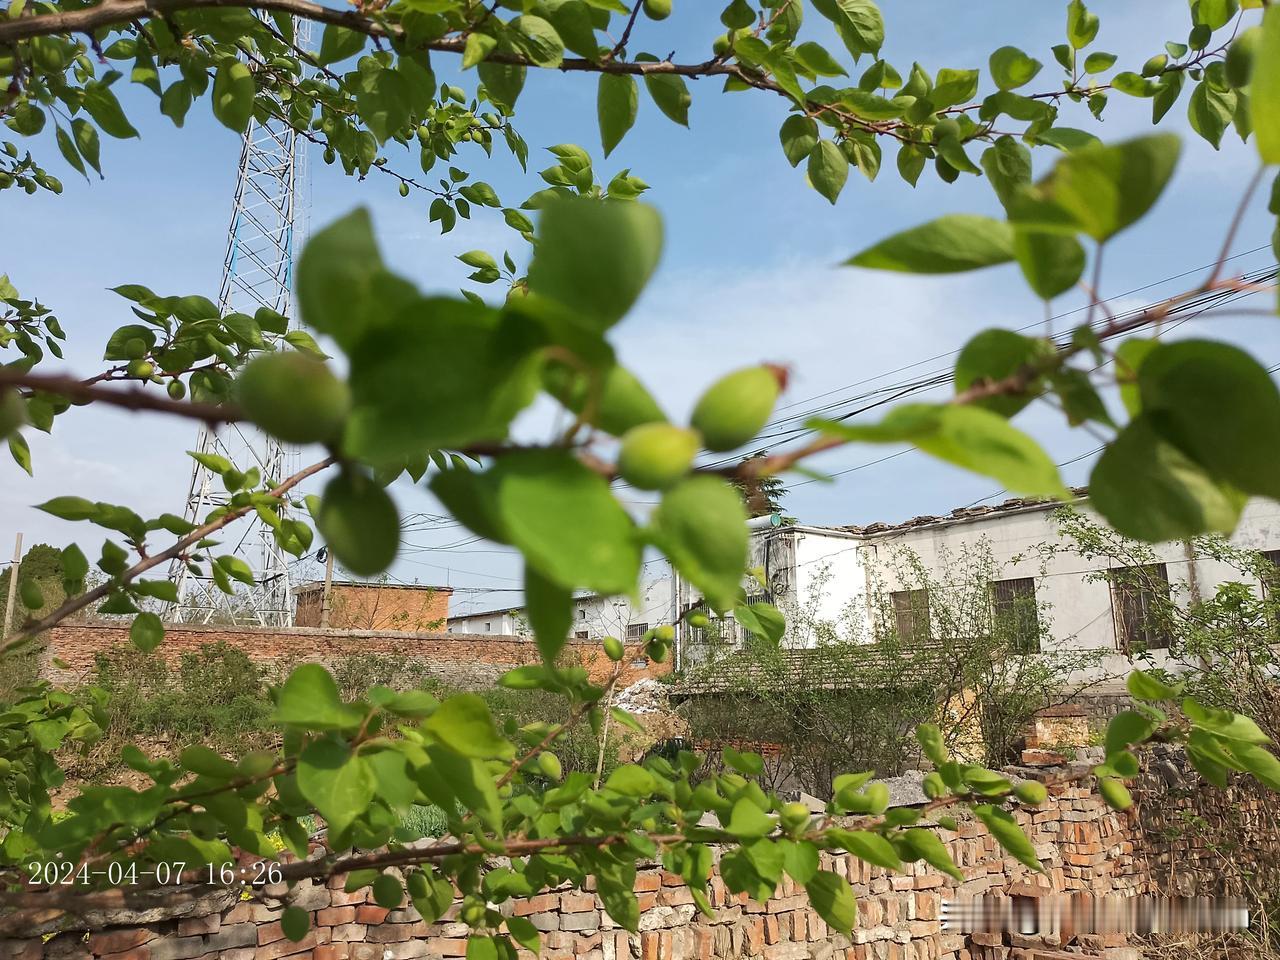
<point x="624" y="402"/>
<point x="1031" y="792"/>
<point x="13" y="412"/>
<point x="549" y="765"/>
<point x="720" y="46"/>
<point x="666" y="633"/>
<point x="657" y="9"/>
<point x="655" y="456"/>
<point x="31" y="594"/>
<point x="404" y="189"/>
<point x="1115" y="793"/>
<point x="736" y="407"/>
<point x="177" y="389"/>
<point x="698" y="620"/>
<point x="794" y="816"/>
<point x="135" y="348"/>
<point x="1239" y="63"/>
<point x="656" y="650"/>
<point x="360" y="523"/>
<point x="142" y="369"/>
<point x="294" y="397"/>
<point x="613" y="649"/>
<point x="944" y="128"/>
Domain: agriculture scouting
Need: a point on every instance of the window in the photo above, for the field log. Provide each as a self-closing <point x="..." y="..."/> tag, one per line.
<point x="1136" y="596"/>
<point x="636" y="630"/>
<point x="1013" y="610"/>
<point x="580" y="635"/>
<point x="911" y="615"/>
<point x="1271" y="580"/>
<point x="488" y="626"/>
<point x="582" y="613"/>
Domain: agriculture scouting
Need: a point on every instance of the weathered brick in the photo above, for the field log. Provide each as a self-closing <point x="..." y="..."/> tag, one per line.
<point x="109" y="941"/>
<point x="333" y="916"/>
<point x="371" y="913"/>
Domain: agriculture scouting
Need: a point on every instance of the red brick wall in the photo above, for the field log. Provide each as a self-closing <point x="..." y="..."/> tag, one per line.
<point x="376" y="606"/>
<point x="478" y="656"/>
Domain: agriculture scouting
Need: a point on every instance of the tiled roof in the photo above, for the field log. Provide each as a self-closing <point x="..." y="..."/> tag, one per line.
<point x="961" y="514"/>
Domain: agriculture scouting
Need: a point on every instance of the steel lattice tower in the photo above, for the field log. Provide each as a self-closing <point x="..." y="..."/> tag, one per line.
<point x="266" y="221"/>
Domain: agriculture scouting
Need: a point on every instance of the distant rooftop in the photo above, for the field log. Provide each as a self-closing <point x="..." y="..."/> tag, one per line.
<point x="963" y="514"/>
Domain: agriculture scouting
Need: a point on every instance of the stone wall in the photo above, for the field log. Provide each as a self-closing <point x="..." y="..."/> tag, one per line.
<point x="459" y="659"/>
<point x="1083" y="847"/>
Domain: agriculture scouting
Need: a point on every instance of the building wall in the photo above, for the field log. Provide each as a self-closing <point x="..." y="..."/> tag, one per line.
<point x="458" y="659"/>
<point x="597" y="617"/>
<point x="1080" y="607"/>
<point x="375" y="606"/>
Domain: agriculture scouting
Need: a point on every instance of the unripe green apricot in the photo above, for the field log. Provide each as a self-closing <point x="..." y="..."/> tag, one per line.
<point x="1239" y="63"/>
<point x="655" y="456"/>
<point x="360" y="523"/>
<point x="794" y="817"/>
<point x="294" y="397"/>
<point x="946" y="127"/>
<point x="737" y="406"/>
<point x="657" y="9"/>
<point x="549" y="766"/>
<point x="1031" y="792"/>
<point x="142" y="369"/>
<point x="177" y="389"/>
<point x="31" y="594"/>
<point x="623" y="402"/>
<point x="404" y="189"/>
<point x="666" y="633"/>
<point x="613" y="649"/>
<point x="698" y="620"/>
<point x="135" y="348"/>
<point x="720" y="46"/>
<point x="656" y="650"/>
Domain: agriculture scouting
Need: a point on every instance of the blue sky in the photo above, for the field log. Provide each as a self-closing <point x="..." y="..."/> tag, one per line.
<point x="749" y="272"/>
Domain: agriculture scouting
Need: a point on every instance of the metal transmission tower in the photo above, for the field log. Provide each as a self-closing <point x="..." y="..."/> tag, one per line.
<point x="266" y="220"/>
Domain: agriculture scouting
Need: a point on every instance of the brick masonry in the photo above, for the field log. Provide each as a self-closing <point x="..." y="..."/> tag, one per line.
<point x="461" y="659"/>
<point x="1083" y="847"/>
<point x="374" y="606"/>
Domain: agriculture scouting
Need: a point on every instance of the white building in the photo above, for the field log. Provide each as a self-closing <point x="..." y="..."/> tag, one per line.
<point x="1092" y="604"/>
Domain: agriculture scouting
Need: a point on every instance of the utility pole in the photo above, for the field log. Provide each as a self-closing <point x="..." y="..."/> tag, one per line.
<point x="13" y="584"/>
<point x="325" y="600"/>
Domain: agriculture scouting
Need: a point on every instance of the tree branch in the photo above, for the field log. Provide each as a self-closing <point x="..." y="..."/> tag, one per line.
<point x="195" y="536"/>
<point x="132" y="399"/>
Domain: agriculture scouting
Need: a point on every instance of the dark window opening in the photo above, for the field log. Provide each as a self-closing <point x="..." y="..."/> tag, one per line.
<point x="1013" y="608"/>
<point x="911" y="615"/>
<point x="1138" y="596"/>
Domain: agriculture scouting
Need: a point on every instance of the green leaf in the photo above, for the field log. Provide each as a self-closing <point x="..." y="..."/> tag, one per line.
<point x="1210" y="111"/>
<point x="993" y="355"/>
<point x="1011" y="68"/>
<point x="309" y="698"/>
<point x="927" y="846"/>
<point x="86" y="138"/>
<point x="538" y="40"/>
<point x="1187" y="386"/>
<point x="387" y="891"/>
<point x="701" y="525"/>
<point x="1009" y="835"/>
<point x="1098" y="62"/>
<point x="1051" y="263"/>
<point x="338" y="44"/>
<point x="68" y="150"/>
<point x="858" y="23"/>
<point x="565" y="521"/>
<point x="1150" y="490"/>
<point x="953" y="87"/>
<point x="1082" y="26"/>
<point x="70" y="508"/>
<point x="549" y="607"/>
<point x="631" y="781"/>
<point x="762" y="619"/>
<point x="970" y="437"/>
<point x="799" y="135"/>
<point x="828" y="169"/>
<point x="1260" y="762"/>
<point x="950" y="244"/>
<point x="336" y="780"/>
<point x="479" y="45"/>
<point x="595" y="257"/>
<point x="832" y="897"/>
<point x="1101" y="189"/>
<point x="342" y="287"/>
<point x="464" y="724"/>
<point x="817" y="60"/>
<point x="294" y="923"/>
<point x="867" y="846"/>
<point x="384" y="102"/>
<point x="1125" y="728"/>
<point x="616" y="104"/>
<point x="746" y="821"/>
<point x="233" y="92"/>
<point x="146" y="632"/>
<point x="1264" y="93"/>
<point x="670" y="94"/>
<point x="1144" y="686"/>
<point x="101" y="104"/>
<point x="1007" y="164"/>
<point x="800" y="858"/>
<point x="503" y="81"/>
<point x="524" y="933"/>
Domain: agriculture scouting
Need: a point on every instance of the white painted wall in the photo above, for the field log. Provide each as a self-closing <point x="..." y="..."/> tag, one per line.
<point x="830" y="576"/>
